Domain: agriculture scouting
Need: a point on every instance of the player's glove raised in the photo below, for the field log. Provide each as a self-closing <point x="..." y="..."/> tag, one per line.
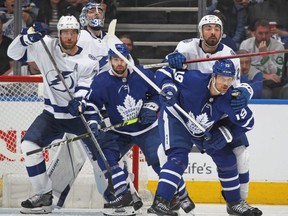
<point x="95" y="128"/>
<point x="148" y="113"/>
<point x="168" y="95"/>
<point x="176" y="60"/>
<point x="34" y="34"/>
<point x="76" y="106"/>
<point x="220" y="136"/>
<point x="241" y="96"/>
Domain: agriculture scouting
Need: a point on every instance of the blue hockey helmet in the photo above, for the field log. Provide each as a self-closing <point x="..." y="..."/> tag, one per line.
<point x="121" y="48"/>
<point x="224" y="67"/>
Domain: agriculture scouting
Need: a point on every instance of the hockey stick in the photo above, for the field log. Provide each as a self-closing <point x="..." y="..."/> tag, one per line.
<point x="158" y="65"/>
<point x="14" y="156"/>
<point x="108" y="168"/>
<point x="112" y="40"/>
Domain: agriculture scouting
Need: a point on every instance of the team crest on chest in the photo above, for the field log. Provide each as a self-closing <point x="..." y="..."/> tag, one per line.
<point x="202" y="119"/>
<point x="130" y="108"/>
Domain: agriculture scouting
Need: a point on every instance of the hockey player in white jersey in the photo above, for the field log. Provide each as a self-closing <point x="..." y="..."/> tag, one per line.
<point x="211" y="29"/>
<point x="78" y="68"/>
<point x="92" y="39"/>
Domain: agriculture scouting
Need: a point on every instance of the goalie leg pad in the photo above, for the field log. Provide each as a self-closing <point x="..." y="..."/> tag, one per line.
<point x="64" y="169"/>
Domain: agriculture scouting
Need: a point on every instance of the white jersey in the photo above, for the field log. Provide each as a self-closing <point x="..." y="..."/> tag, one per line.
<point x="273" y="64"/>
<point x="96" y="46"/>
<point x="78" y="72"/>
<point x="191" y="49"/>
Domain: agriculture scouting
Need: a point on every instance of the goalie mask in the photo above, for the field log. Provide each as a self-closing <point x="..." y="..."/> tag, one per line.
<point x="92" y="15"/>
<point x="207" y="20"/>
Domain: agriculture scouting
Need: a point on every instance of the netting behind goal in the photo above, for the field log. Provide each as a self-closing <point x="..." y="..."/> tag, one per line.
<point x="21" y="100"/>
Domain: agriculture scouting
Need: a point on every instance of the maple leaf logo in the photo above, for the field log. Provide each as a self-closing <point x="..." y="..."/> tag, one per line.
<point x="202" y="119"/>
<point x="130" y="109"/>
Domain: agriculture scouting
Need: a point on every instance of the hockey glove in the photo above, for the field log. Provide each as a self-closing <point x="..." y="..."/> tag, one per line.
<point x="35" y="33"/>
<point x="176" y="60"/>
<point x="168" y="95"/>
<point x="76" y="106"/>
<point x="148" y="113"/>
<point x="240" y="98"/>
<point x="95" y="128"/>
<point x="220" y="136"/>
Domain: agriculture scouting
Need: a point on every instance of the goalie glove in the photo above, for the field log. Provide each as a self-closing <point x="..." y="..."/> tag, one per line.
<point x="76" y="106"/>
<point x="148" y="113"/>
<point x="220" y="136"/>
<point x="35" y="33"/>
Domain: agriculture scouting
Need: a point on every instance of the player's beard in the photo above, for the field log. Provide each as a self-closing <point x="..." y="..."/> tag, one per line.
<point x="68" y="46"/>
<point x="119" y="70"/>
<point x="212" y="41"/>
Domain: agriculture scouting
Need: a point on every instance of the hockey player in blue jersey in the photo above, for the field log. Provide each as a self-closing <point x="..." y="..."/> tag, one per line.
<point x="207" y="98"/>
<point x="126" y="95"/>
<point x="78" y="68"/>
<point x="208" y="45"/>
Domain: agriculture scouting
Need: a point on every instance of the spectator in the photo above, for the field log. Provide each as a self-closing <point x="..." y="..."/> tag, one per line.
<point x="71" y="7"/>
<point x="6" y="63"/>
<point x="8" y="26"/>
<point x="49" y="13"/>
<point x="271" y="66"/>
<point x="250" y="75"/>
<point x="236" y="19"/>
<point x="128" y="41"/>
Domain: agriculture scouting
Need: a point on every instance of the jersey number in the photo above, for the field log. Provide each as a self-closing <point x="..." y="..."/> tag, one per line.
<point x="179" y="76"/>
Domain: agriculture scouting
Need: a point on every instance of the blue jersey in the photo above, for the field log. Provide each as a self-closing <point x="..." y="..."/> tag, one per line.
<point x="194" y="97"/>
<point x="123" y="98"/>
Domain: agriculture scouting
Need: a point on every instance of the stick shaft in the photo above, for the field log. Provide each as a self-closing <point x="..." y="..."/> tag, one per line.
<point x="112" y="40"/>
<point x="108" y="168"/>
<point x="158" y="65"/>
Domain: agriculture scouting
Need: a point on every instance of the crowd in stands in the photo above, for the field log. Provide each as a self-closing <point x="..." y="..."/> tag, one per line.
<point x="247" y="29"/>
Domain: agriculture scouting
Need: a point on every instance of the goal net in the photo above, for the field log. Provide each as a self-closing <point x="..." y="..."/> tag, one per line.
<point x="21" y="100"/>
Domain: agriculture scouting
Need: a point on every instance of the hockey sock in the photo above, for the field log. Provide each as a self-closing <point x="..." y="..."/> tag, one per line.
<point x="172" y="172"/>
<point x="182" y="190"/>
<point x="118" y="175"/>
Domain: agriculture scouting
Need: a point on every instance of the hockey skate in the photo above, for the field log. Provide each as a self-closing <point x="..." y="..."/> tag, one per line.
<point x="239" y="209"/>
<point x="121" y="201"/>
<point x="122" y="205"/>
<point x="175" y="203"/>
<point x="256" y="211"/>
<point x="37" y="204"/>
<point x="188" y="205"/>
<point x="161" y="206"/>
<point x="137" y="202"/>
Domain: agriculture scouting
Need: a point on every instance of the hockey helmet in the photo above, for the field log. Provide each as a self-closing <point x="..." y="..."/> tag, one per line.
<point x="209" y="19"/>
<point x="121" y="48"/>
<point x="224" y="67"/>
<point x="68" y="22"/>
<point x="94" y="23"/>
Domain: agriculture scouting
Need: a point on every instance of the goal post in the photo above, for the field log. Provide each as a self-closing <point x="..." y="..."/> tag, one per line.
<point x="21" y="101"/>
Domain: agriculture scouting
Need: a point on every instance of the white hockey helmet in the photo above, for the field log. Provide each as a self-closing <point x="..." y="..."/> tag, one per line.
<point x="68" y="22"/>
<point x="209" y="19"/>
<point x="94" y="23"/>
